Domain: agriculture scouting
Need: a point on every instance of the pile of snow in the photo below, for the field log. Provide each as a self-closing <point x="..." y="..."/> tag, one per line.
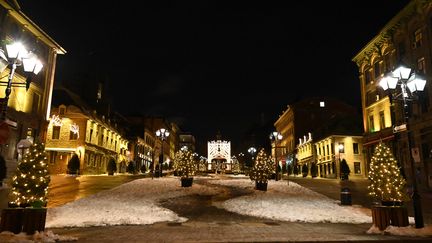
<point x="133" y="203"/>
<point x="291" y="202"/>
<point x="403" y="231"/>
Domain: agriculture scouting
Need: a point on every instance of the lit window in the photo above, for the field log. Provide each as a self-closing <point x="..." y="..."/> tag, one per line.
<point x="418" y="38"/>
<point x="356" y="148"/>
<point x="421" y="65"/>
<point x="382" y="120"/>
<point x="371" y="124"/>
<point x="322" y="104"/>
<point x="56" y="132"/>
<point x="357" y="169"/>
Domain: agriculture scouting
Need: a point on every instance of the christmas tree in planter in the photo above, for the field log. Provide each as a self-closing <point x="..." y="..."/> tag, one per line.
<point x="235" y="167"/>
<point x="30" y="183"/>
<point x="386" y="182"/>
<point x="262" y="170"/>
<point x="387" y="185"/>
<point x="29" y="191"/>
<point x="184" y="165"/>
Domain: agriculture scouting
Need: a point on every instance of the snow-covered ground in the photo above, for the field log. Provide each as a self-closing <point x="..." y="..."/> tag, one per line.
<point x="133" y="203"/>
<point x="292" y="202"/>
<point x="137" y="203"/>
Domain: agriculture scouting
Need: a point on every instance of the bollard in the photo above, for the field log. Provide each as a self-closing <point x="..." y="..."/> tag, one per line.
<point x="345" y="196"/>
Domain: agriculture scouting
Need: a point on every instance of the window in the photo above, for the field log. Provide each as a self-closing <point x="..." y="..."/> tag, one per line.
<point x="91" y="135"/>
<point x="357" y="169"/>
<point x="377" y="70"/>
<point x="387" y="63"/>
<point x="35" y="104"/>
<point x="356" y="148"/>
<point x="421" y="65"/>
<point x="73" y="135"/>
<point x="322" y="104"/>
<point x="371" y="124"/>
<point x="56" y="132"/>
<point x="53" y="156"/>
<point x="382" y="120"/>
<point x="401" y="48"/>
<point x="62" y="110"/>
<point x="418" y="36"/>
<point x="367" y="76"/>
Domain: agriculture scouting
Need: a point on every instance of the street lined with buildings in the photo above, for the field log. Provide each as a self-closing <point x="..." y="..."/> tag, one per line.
<point x="318" y="141"/>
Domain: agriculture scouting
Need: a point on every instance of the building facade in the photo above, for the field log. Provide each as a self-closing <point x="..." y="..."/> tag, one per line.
<point x="75" y="130"/>
<point x="405" y="40"/>
<point x="307" y="116"/>
<point x="28" y="110"/>
<point x="327" y="152"/>
<point x="332" y="149"/>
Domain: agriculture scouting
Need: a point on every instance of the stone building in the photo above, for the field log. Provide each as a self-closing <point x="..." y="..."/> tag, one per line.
<point x="28" y="107"/>
<point x="76" y="129"/>
<point x="405" y="40"/>
<point x="307" y="116"/>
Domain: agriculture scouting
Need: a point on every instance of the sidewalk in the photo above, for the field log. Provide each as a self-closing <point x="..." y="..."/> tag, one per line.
<point x="228" y="231"/>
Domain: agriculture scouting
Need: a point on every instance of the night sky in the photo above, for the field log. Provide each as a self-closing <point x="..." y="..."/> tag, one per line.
<point x="212" y="65"/>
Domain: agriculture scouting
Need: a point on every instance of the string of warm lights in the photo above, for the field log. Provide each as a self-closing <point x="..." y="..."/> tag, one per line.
<point x="184" y="163"/>
<point x="30" y="182"/>
<point x="235" y="166"/>
<point x="263" y="168"/>
<point x="386" y="182"/>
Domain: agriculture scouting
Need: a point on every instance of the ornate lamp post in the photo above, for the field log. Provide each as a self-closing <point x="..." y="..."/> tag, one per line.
<point x="252" y="151"/>
<point x="17" y="55"/>
<point x="340" y="150"/>
<point x="409" y="83"/>
<point x="276" y="137"/>
<point x="162" y="134"/>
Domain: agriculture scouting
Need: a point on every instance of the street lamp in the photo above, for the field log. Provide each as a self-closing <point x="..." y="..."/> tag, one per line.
<point x="162" y="134"/>
<point x="409" y="83"/>
<point x="341" y="150"/>
<point x="17" y="55"/>
<point x="276" y="136"/>
<point x="252" y="151"/>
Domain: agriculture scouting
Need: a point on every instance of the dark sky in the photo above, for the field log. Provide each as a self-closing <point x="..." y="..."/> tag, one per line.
<point x="213" y="65"/>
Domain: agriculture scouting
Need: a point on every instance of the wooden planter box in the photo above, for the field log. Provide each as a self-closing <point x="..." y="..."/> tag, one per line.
<point x="399" y="216"/>
<point x="11" y="220"/>
<point x="262" y="186"/>
<point x="186" y="182"/>
<point x="27" y="220"/>
<point x="381" y="216"/>
<point x="34" y="220"/>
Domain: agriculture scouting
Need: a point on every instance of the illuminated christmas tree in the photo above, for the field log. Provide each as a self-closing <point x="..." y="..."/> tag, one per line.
<point x="184" y="164"/>
<point x="235" y="167"/>
<point x="30" y="183"/>
<point x="263" y="168"/>
<point x="386" y="182"/>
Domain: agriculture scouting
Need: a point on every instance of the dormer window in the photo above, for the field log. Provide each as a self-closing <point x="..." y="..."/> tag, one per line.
<point x="62" y="110"/>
